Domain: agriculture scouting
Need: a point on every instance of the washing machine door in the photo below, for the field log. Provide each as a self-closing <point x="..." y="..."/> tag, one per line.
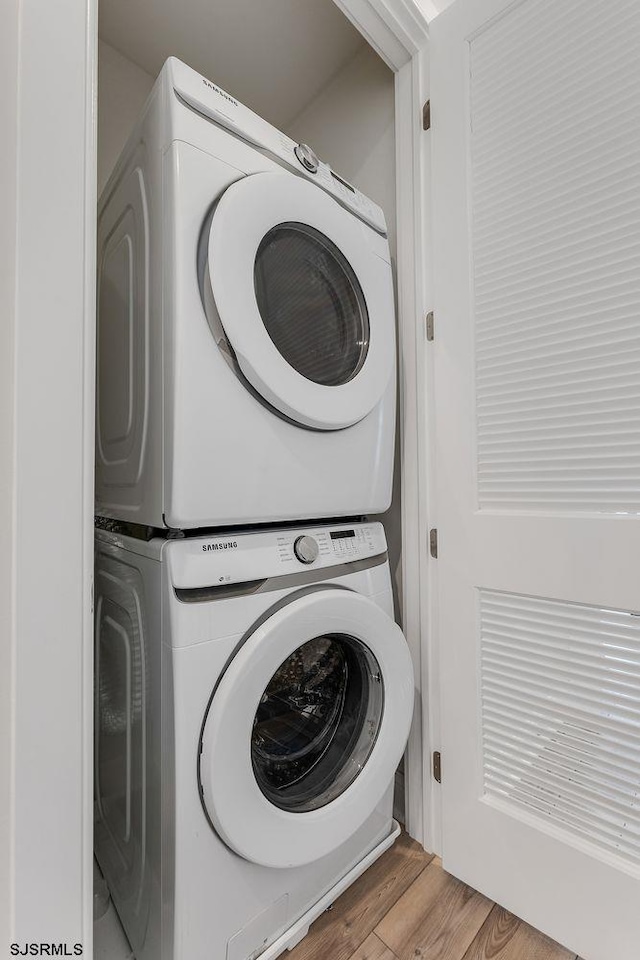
<point x="304" y="300"/>
<point x="306" y="728"/>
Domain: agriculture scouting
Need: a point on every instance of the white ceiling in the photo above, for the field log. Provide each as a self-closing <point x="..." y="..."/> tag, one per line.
<point x="273" y="55"/>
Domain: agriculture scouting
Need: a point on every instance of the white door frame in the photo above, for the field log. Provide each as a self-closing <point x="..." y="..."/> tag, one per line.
<point x="398" y="31"/>
<point x="47" y="240"/>
<point x="47" y="292"/>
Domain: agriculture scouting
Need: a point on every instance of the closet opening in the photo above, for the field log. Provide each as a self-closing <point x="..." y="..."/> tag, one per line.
<point x="306" y="71"/>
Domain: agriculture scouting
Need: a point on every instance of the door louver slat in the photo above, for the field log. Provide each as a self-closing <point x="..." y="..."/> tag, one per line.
<point x="561" y="715"/>
<point x="556" y="287"/>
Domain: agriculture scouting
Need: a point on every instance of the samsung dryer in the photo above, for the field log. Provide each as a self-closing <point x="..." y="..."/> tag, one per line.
<point x="253" y="699"/>
<point x="246" y="328"/>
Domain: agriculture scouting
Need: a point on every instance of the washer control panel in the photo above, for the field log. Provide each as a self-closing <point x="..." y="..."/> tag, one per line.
<point x="229" y="558"/>
<point x="332" y="545"/>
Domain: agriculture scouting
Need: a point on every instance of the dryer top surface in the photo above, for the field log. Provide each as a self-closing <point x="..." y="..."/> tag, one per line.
<point x="187" y="91"/>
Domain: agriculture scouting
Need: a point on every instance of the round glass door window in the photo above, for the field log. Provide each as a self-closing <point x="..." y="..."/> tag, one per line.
<point x="311" y="304"/>
<point x="317" y="722"/>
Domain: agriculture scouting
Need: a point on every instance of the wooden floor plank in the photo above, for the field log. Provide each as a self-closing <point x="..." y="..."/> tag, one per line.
<point x="338" y="933"/>
<point x="436" y="919"/>
<point x="373" y="949"/>
<point x="504" y="937"/>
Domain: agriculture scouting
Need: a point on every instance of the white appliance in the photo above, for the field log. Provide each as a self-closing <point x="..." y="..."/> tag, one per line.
<point x="246" y="327"/>
<point x="253" y="699"/>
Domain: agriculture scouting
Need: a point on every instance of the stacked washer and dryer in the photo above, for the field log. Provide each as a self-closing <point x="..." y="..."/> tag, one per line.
<point x="253" y="692"/>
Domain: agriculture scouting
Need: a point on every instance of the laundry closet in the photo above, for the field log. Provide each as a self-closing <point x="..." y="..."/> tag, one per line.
<point x="504" y="147"/>
<point x="246" y="430"/>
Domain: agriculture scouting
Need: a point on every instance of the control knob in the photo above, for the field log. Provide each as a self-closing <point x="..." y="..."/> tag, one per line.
<point x="307" y="157"/>
<point x="306" y="549"/>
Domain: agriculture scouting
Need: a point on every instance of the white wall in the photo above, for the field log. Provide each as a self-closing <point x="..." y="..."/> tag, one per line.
<point x="350" y="124"/>
<point x="123" y="88"/>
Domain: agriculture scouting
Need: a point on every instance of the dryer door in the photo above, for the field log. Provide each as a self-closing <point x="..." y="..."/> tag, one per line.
<point x="306" y="728"/>
<point x="305" y="301"/>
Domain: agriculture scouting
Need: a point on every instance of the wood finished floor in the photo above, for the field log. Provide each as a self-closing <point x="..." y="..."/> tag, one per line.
<point x="405" y="907"/>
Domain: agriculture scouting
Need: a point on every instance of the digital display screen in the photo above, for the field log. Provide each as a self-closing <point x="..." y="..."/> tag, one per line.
<point x="342" y="534"/>
<point x="343" y="182"/>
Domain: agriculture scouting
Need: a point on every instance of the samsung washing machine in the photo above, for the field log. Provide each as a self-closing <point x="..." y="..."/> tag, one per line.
<point x="246" y="328"/>
<point x="253" y="699"/>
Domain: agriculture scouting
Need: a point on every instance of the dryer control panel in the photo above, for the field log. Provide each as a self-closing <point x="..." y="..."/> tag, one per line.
<point x="213" y="102"/>
<point x="237" y="558"/>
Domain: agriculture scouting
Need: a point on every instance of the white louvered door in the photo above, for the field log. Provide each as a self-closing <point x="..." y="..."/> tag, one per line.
<point x="535" y="142"/>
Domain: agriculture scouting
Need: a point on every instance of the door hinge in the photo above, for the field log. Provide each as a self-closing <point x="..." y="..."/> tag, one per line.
<point x="433" y="543"/>
<point x="426" y="115"/>
<point x="429" y="325"/>
<point x="437" y="766"/>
